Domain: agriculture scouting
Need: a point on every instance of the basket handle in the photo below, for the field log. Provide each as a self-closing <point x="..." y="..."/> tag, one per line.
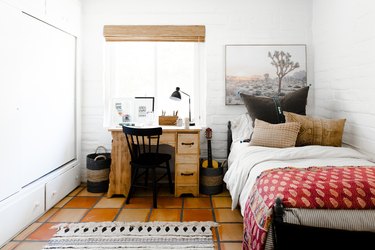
<point x="96" y="151"/>
<point x="100" y="156"/>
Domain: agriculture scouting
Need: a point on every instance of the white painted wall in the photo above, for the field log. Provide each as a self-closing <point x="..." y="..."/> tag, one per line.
<point x="344" y="52"/>
<point x="227" y="22"/>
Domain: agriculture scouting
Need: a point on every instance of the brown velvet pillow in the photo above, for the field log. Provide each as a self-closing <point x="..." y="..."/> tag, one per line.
<point x="266" y="108"/>
<point x="281" y="135"/>
<point x="317" y="131"/>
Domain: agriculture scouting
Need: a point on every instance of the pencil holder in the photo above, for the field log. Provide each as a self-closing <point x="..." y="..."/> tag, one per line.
<point x="167" y="120"/>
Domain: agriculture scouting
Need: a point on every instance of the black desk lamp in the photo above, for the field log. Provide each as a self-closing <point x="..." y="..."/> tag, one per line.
<point x="177" y="97"/>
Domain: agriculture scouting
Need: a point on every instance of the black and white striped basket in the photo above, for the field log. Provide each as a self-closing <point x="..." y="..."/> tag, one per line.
<point x="98" y="166"/>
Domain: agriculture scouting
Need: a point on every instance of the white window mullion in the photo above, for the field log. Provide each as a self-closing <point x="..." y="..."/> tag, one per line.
<point x="201" y="87"/>
<point x="156" y="81"/>
<point x="196" y="94"/>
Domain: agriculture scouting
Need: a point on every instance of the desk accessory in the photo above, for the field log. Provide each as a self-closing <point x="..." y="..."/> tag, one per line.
<point x="179" y="122"/>
<point x="177" y="97"/>
<point x="127" y="124"/>
<point x="167" y="120"/>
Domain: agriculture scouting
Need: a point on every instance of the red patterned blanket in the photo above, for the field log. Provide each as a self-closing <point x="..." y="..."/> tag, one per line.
<point x="314" y="187"/>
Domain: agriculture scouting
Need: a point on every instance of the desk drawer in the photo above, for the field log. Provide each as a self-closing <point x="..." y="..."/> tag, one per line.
<point x="186" y="174"/>
<point x="187" y="143"/>
<point x="194" y="159"/>
<point x="168" y="138"/>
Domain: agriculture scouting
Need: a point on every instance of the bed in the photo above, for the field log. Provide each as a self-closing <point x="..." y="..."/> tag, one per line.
<point x="291" y="196"/>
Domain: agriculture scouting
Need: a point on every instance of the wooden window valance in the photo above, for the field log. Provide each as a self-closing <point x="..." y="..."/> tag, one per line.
<point x="154" y="33"/>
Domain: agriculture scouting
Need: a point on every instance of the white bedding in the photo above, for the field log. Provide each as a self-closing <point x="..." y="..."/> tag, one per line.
<point x="246" y="162"/>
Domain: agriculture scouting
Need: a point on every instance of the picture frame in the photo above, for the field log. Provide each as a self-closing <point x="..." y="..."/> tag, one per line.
<point x="263" y="70"/>
<point x="132" y="110"/>
<point x="143" y="109"/>
<point x="122" y="110"/>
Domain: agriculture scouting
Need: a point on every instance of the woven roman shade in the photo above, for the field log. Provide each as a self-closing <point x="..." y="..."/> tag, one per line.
<point x="154" y="33"/>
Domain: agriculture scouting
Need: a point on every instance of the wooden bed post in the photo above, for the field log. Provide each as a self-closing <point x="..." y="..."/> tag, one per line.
<point x="229" y="137"/>
<point x="278" y="210"/>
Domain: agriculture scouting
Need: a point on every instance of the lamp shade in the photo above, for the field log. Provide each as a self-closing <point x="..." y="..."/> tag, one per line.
<point x="176" y="95"/>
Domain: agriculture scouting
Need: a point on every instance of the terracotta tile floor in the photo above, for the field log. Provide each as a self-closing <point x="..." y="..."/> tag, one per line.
<point x="83" y="206"/>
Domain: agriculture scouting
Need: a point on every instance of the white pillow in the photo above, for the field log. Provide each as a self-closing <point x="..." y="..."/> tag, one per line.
<point x="241" y="127"/>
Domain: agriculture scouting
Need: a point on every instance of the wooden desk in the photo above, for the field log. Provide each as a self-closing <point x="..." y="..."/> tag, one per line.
<point x="187" y="152"/>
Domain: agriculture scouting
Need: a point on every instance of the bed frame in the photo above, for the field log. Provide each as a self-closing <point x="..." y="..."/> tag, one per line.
<point x="293" y="236"/>
<point x="229" y="137"/>
<point x="289" y="236"/>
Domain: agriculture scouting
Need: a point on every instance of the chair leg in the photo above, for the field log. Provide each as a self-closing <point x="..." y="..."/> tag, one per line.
<point x="131" y="190"/>
<point x="146" y="177"/>
<point x="154" y="188"/>
<point x="169" y="178"/>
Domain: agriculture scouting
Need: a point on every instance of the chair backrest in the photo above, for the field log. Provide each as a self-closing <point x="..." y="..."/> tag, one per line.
<point x="142" y="140"/>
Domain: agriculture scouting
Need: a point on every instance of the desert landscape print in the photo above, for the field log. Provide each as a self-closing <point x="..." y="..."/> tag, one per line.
<point x="263" y="70"/>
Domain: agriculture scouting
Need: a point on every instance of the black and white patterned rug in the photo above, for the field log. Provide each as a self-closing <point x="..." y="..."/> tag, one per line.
<point x="133" y="235"/>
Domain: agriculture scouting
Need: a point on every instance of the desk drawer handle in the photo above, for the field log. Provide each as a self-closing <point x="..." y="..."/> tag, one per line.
<point x="187" y="143"/>
<point x="187" y="174"/>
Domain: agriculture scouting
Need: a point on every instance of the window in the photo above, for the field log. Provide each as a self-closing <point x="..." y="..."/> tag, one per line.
<point x="155" y="69"/>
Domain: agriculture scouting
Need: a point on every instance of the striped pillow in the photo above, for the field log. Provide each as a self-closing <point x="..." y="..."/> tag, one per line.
<point x="280" y="135"/>
<point x="318" y="131"/>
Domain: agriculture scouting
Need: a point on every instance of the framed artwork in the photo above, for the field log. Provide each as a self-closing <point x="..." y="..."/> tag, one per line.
<point x="143" y="109"/>
<point x="263" y="70"/>
<point x="122" y="110"/>
<point x="132" y="110"/>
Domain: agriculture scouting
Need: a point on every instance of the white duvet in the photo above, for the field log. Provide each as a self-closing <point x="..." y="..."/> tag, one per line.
<point x="246" y="162"/>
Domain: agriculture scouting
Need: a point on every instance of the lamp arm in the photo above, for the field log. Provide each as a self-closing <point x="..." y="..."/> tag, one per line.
<point x="185" y="93"/>
<point x="189" y="110"/>
<point x="189" y="104"/>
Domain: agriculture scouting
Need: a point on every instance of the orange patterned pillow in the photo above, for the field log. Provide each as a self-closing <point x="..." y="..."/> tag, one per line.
<point x="317" y="131"/>
<point x="280" y="135"/>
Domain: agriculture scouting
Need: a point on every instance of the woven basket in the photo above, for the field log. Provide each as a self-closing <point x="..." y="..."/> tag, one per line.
<point x="98" y="166"/>
<point x="211" y="180"/>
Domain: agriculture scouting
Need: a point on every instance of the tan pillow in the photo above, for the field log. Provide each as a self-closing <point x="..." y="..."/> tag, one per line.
<point x="280" y="135"/>
<point x="317" y="131"/>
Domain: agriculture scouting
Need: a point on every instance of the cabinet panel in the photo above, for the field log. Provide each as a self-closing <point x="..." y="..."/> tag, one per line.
<point x="45" y="101"/>
<point x="9" y="62"/>
<point x="168" y="138"/>
<point x="187" y="159"/>
<point x="59" y="187"/>
<point x="186" y="174"/>
<point x="187" y="143"/>
<point x="19" y="211"/>
<point x="194" y="190"/>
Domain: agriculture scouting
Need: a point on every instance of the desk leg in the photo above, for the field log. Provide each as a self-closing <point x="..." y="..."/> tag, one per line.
<point x="119" y="177"/>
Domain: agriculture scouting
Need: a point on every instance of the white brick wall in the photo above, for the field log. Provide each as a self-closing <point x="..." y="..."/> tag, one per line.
<point x="227" y="22"/>
<point x="344" y="52"/>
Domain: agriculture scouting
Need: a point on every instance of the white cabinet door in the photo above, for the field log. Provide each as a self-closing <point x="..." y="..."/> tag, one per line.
<point x="37" y="99"/>
<point x="10" y="51"/>
<point x="46" y="100"/>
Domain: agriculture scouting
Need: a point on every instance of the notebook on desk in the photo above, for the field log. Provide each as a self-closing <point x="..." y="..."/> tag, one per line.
<point x="127" y="124"/>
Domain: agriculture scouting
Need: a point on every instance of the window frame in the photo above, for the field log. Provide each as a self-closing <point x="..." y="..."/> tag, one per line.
<point x="158" y="33"/>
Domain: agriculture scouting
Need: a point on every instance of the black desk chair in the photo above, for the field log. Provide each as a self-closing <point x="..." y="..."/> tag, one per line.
<point x="143" y="144"/>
